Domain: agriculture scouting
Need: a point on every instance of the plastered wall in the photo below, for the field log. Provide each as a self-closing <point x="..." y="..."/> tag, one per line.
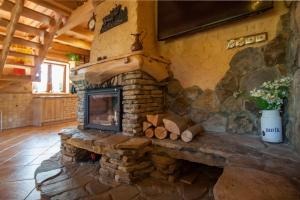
<point x="116" y="41"/>
<point x="197" y="59"/>
<point x="202" y="58"/>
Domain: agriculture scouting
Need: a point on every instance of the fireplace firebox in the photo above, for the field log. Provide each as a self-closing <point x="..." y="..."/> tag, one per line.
<point x="103" y="109"/>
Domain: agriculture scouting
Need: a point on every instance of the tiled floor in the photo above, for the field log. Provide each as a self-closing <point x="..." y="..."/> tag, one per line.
<point x="21" y="152"/>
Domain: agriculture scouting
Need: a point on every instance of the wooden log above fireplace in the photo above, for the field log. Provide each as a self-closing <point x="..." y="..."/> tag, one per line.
<point x="103" y="70"/>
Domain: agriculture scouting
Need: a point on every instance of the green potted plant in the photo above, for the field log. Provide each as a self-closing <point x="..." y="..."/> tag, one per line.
<point x="74" y="59"/>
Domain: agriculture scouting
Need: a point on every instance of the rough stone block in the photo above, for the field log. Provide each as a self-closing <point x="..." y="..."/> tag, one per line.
<point x="134" y="143"/>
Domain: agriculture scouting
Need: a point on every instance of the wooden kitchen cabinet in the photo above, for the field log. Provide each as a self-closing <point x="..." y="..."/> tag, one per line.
<point x="54" y="109"/>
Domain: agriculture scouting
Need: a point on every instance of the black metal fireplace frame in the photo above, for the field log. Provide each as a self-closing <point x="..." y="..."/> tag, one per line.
<point x="114" y="91"/>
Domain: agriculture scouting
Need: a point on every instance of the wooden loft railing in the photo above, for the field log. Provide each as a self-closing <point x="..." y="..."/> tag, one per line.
<point x="11" y="27"/>
<point x="29" y="13"/>
<point x="23" y="27"/>
<point x="46" y="35"/>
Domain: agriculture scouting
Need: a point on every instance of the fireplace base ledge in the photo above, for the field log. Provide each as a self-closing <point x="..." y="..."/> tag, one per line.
<point x="246" y="160"/>
<point x="210" y="149"/>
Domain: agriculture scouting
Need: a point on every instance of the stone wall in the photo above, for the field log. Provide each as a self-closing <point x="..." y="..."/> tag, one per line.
<point x="141" y="95"/>
<point x="292" y="114"/>
<point x="219" y="111"/>
<point x="202" y="58"/>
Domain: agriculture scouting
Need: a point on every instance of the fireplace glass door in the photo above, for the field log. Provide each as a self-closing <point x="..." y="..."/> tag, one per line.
<point x="103" y="109"/>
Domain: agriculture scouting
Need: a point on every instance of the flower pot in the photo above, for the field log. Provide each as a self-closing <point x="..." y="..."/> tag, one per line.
<point x="271" y="127"/>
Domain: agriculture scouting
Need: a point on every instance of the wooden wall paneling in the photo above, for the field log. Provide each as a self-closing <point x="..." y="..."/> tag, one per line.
<point x="60" y="108"/>
<point x="16" y="110"/>
<point x="38" y="111"/>
<point x="54" y="109"/>
<point x="49" y="78"/>
<point x="69" y="105"/>
<point x="64" y="80"/>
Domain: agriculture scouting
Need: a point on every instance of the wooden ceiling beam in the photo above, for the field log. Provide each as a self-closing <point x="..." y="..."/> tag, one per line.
<point x="24" y="42"/>
<point x="22" y="27"/>
<point x="56" y="57"/>
<point x="78" y="16"/>
<point x="65" y="49"/>
<point x="27" y="12"/>
<point x="81" y="33"/>
<point x="58" y="5"/>
<point x="65" y="39"/>
<point x="49" y="36"/>
<point x="54" y="7"/>
<point x="11" y="28"/>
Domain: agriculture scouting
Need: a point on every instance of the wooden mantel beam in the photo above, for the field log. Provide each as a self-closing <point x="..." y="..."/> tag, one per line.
<point x="11" y="28"/>
<point x="78" y="16"/>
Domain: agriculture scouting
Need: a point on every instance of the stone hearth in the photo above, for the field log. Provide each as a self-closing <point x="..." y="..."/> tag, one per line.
<point x="81" y="181"/>
<point x="132" y="160"/>
<point x="213" y="149"/>
<point x="135" y="167"/>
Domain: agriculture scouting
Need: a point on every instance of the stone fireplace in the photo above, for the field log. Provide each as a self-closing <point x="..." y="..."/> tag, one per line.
<point x="116" y="93"/>
<point x="103" y="109"/>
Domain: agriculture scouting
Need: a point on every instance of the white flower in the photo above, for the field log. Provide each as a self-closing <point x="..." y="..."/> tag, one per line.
<point x="272" y="92"/>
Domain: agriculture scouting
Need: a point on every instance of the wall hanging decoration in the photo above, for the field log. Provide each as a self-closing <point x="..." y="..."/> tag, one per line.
<point x="137" y="45"/>
<point x="115" y="17"/>
<point x="92" y="22"/>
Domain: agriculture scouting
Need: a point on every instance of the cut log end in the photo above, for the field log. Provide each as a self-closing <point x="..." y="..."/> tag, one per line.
<point x="189" y="134"/>
<point x="146" y="125"/>
<point x="175" y="124"/>
<point x="160" y="132"/>
<point x="155" y="120"/>
<point x="149" y="132"/>
<point x="174" y="136"/>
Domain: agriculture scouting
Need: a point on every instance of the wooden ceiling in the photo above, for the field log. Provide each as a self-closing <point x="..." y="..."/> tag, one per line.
<point x="48" y="28"/>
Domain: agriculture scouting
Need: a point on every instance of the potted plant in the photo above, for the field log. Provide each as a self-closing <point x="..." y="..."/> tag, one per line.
<point x="74" y="59"/>
<point x="269" y="99"/>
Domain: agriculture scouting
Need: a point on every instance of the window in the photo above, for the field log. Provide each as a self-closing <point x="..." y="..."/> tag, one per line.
<point x="54" y="78"/>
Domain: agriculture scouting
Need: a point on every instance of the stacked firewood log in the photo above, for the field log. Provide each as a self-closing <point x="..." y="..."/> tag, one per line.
<point x="172" y="126"/>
